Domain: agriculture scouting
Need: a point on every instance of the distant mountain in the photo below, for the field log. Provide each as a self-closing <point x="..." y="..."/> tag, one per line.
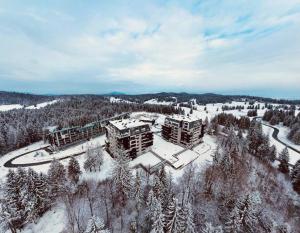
<point x="116" y="93"/>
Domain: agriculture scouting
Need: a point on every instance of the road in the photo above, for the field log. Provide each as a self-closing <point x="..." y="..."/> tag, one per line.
<point x="10" y="164"/>
<point x="275" y="136"/>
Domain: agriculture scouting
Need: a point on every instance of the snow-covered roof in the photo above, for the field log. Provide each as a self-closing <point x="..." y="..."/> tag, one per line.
<point x="127" y="123"/>
<point x="184" y="118"/>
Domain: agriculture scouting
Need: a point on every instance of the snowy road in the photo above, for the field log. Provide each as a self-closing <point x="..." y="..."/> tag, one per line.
<point x="275" y="136"/>
<point x="10" y="164"/>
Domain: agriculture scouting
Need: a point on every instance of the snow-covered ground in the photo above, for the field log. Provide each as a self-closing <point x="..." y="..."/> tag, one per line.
<point x="155" y="101"/>
<point x="8" y="107"/>
<point x="53" y="221"/>
<point x="42" y="105"/>
<point x="118" y="100"/>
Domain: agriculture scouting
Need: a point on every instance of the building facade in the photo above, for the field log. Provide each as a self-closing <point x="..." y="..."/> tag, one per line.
<point x="131" y="137"/>
<point x="183" y="130"/>
<point x="59" y="138"/>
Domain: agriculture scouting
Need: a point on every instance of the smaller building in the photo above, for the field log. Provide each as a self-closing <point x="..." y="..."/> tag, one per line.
<point x="183" y="130"/>
<point x="132" y="137"/>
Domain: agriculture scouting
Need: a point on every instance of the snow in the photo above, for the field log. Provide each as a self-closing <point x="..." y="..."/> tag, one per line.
<point x="42" y="105"/>
<point x="118" y="100"/>
<point x="189" y="118"/>
<point x="165" y="149"/>
<point x="155" y="101"/>
<point x="52" y="221"/>
<point x="18" y="106"/>
<point x="105" y="170"/>
<point x="127" y="123"/>
<point x="147" y="160"/>
<point x="8" y="107"/>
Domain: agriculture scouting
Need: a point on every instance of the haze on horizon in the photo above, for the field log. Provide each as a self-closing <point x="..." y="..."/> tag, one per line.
<point x="227" y="47"/>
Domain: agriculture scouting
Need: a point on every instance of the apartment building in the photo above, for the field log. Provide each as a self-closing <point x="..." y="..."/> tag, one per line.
<point x="183" y="130"/>
<point x="132" y="137"/>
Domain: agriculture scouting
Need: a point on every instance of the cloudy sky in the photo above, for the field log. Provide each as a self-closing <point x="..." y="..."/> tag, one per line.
<point x="221" y="46"/>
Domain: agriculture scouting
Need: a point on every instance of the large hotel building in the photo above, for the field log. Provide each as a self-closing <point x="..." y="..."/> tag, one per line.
<point x="183" y="130"/>
<point x="132" y="137"/>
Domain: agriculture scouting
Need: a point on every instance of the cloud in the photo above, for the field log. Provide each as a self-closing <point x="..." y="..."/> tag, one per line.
<point x="208" y="46"/>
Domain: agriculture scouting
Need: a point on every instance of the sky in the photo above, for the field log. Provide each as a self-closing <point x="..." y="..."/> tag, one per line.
<point x="221" y="46"/>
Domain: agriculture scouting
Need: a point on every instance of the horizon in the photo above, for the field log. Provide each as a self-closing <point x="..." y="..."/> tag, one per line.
<point x="222" y="47"/>
<point x="117" y="93"/>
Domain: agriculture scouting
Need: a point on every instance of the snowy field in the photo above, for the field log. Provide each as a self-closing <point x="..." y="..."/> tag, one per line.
<point x="8" y="107"/>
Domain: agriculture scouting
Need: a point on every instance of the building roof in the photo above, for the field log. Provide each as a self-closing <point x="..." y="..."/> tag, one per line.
<point x="184" y="118"/>
<point x="127" y="123"/>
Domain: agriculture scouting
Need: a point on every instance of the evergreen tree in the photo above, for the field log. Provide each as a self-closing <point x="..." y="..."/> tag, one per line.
<point x="13" y="206"/>
<point x="57" y="179"/>
<point x="36" y="195"/>
<point x="122" y="177"/>
<point x="187" y="220"/>
<point x="73" y="170"/>
<point x="173" y="218"/>
<point x="284" y="161"/>
<point x="96" y="225"/>
<point x="243" y="217"/>
<point x="295" y="175"/>
<point x="157" y="218"/>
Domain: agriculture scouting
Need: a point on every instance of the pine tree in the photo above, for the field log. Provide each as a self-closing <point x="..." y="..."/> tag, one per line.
<point x="295" y="176"/>
<point x="14" y="214"/>
<point x="173" y="218"/>
<point x="243" y="217"/>
<point x="57" y="179"/>
<point x="96" y="225"/>
<point x="73" y="170"/>
<point x="122" y="177"/>
<point x="137" y="195"/>
<point x="94" y="159"/>
<point x="36" y="195"/>
<point x="157" y="218"/>
<point x="284" y="161"/>
<point x="187" y="219"/>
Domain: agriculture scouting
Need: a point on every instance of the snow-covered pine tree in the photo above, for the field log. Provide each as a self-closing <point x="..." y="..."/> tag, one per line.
<point x="173" y="218"/>
<point x="96" y="225"/>
<point x="57" y="179"/>
<point x="37" y="201"/>
<point x="244" y="217"/>
<point x="122" y="177"/>
<point x="137" y="191"/>
<point x="284" y="161"/>
<point x="73" y="170"/>
<point x="295" y="176"/>
<point x="157" y="218"/>
<point x="187" y="218"/>
<point x="13" y="209"/>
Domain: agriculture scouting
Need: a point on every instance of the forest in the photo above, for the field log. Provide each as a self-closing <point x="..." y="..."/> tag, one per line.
<point x="240" y="191"/>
